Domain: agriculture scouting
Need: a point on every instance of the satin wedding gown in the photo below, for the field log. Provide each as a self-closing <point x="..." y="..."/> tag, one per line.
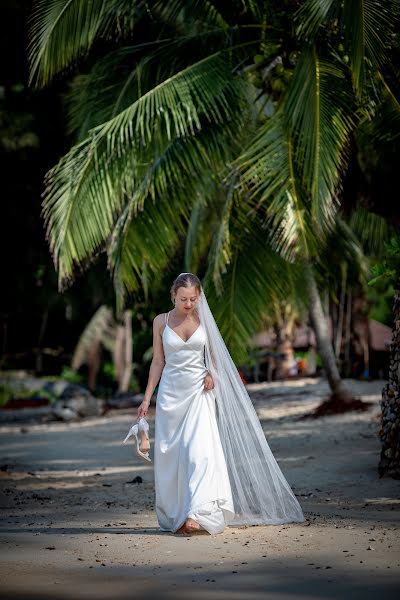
<point x="191" y="477"/>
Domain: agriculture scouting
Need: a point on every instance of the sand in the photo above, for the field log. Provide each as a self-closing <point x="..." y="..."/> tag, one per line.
<point x="74" y="525"/>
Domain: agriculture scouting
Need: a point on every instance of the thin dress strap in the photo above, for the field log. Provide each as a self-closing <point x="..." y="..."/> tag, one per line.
<point x="166" y="318"/>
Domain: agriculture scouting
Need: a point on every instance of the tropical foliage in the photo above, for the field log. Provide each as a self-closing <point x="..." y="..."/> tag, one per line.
<point x="222" y="127"/>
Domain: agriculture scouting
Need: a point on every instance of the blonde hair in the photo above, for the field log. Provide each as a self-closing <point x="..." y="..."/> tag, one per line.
<point x="185" y="280"/>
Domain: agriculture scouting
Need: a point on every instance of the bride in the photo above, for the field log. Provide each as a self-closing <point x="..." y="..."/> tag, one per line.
<point x="213" y="465"/>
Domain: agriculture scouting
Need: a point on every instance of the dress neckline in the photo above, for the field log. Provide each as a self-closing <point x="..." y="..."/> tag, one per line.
<point x="177" y="335"/>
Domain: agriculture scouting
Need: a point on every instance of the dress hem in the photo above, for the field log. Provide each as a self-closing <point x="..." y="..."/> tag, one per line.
<point x="227" y="513"/>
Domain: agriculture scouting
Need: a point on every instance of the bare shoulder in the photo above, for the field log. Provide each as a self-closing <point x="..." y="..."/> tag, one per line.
<point x="159" y="321"/>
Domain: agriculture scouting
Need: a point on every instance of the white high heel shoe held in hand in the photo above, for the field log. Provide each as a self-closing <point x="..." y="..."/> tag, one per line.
<point x="141" y="426"/>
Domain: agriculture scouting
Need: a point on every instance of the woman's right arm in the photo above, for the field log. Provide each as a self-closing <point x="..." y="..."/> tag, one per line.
<point x="156" y="367"/>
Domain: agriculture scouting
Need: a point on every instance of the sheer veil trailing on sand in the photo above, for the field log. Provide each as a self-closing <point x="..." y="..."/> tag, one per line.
<point x="260" y="491"/>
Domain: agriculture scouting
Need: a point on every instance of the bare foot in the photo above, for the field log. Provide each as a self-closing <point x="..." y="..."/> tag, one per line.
<point x="181" y="530"/>
<point x="189" y="526"/>
<point x="192" y="525"/>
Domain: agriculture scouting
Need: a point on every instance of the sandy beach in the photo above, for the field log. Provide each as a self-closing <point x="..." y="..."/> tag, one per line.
<point x="75" y="521"/>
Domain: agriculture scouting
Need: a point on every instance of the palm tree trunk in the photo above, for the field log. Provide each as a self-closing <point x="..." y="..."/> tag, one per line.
<point x="318" y="322"/>
<point x="127" y="369"/>
<point x="339" y="331"/>
<point x="390" y="424"/>
<point x="94" y="362"/>
<point x="119" y="354"/>
<point x="39" y="353"/>
<point x="284" y="349"/>
<point x="347" y="337"/>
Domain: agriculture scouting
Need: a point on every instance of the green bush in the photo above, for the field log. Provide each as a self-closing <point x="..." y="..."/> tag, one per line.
<point x="6" y="394"/>
<point x="70" y="375"/>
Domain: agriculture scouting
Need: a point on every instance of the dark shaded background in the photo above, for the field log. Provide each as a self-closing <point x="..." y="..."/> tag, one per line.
<point x="34" y="316"/>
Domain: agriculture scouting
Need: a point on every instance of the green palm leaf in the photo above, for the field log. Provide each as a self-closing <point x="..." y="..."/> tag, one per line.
<point x="312" y="15"/>
<point x="192" y="13"/>
<point x="319" y="109"/>
<point x="109" y="87"/>
<point x="63" y="31"/>
<point x="162" y="206"/>
<point x="198" y="235"/>
<point x="92" y="184"/>
<point x="142" y="247"/>
<point x="371" y="230"/>
<point x="364" y="27"/>
<point x="119" y="78"/>
<point x="269" y="176"/>
<point x="342" y="247"/>
<point x="368" y="27"/>
<point x="256" y="280"/>
<point x="100" y="329"/>
<point x="220" y="252"/>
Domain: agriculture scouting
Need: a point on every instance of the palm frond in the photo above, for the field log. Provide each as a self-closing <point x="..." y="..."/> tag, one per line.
<point x="256" y="280"/>
<point x="113" y="83"/>
<point x="364" y="26"/>
<point x="392" y="98"/>
<point x="255" y="8"/>
<point x="269" y="179"/>
<point x="368" y="27"/>
<point x="312" y="15"/>
<point x="342" y="251"/>
<point x="189" y="14"/>
<point x="101" y="328"/>
<point x="371" y="230"/>
<point x="380" y="123"/>
<point x="319" y="108"/>
<point x="220" y="252"/>
<point x="62" y="31"/>
<point x="119" y="78"/>
<point x="88" y="189"/>
<point x="164" y="204"/>
<point x="176" y="107"/>
<point x="142" y="247"/>
<point x="198" y="235"/>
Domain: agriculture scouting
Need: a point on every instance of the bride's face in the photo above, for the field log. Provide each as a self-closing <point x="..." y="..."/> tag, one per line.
<point x="186" y="299"/>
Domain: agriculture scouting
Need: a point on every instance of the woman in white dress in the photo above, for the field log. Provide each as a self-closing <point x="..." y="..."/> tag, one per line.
<point x="211" y="460"/>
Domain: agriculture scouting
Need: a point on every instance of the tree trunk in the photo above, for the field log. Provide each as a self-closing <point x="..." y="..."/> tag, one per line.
<point x="361" y="336"/>
<point x="39" y="353"/>
<point x="347" y="337"/>
<point x="318" y="322"/>
<point x="119" y="354"/>
<point x="94" y="362"/>
<point x="284" y="349"/>
<point x="127" y="370"/>
<point x="340" y="321"/>
<point x="390" y="422"/>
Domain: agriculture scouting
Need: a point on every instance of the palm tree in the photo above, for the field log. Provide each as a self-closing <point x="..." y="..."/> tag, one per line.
<point x="103" y="332"/>
<point x="226" y="127"/>
<point x="389" y="463"/>
<point x="389" y="270"/>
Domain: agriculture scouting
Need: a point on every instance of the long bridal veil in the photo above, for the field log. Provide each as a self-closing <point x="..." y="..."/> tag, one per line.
<point x="260" y="491"/>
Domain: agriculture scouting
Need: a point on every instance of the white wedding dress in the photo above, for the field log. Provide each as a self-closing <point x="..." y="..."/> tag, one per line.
<point x="191" y="477"/>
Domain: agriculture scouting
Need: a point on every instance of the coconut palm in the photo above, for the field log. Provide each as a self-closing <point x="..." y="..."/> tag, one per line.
<point x="223" y="127"/>
<point x="389" y="433"/>
<point x="103" y="332"/>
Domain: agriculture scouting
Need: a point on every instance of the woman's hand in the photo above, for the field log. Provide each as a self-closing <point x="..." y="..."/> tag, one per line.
<point x="143" y="408"/>
<point x="208" y="382"/>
